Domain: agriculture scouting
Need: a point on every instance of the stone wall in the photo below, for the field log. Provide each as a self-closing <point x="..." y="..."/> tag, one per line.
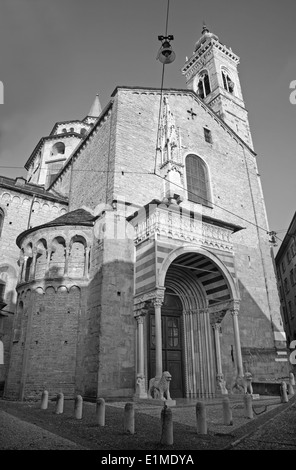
<point x="20" y="212"/>
<point x="47" y="334"/>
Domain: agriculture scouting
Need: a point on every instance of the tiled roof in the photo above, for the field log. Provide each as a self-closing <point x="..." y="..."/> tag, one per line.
<point x="77" y="217"/>
<point x="21" y="185"/>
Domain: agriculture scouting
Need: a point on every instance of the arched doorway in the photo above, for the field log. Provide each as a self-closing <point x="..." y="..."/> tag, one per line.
<point x="206" y="290"/>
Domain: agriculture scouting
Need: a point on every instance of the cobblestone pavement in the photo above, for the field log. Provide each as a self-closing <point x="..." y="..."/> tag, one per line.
<point x="16" y="434"/>
<point x="24" y="426"/>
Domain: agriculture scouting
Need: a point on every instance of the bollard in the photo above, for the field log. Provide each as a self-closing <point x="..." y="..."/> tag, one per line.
<point x="44" y="400"/>
<point x="227" y="412"/>
<point x="129" y="419"/>
<point x="100" y="411"/>
<point x="290" y="389"/>
<point x="167" y="434"/>
<point x="284" y="395"/>
<point x="248" y="406"/>
<point x="291" y="378"/>
<point x="78" y="407"/>
<point x="201" y="418"/>
<point x="59" y="403"/>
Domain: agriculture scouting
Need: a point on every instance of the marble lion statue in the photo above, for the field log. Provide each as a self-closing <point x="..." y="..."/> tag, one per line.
<point x="160" y="389"/>
<point x="243" y="384"/>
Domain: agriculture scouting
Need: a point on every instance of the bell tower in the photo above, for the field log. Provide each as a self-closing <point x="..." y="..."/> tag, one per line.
<point x="211" y="72"/>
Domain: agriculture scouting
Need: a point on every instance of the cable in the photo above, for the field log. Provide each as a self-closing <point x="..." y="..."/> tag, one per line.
<point x="212" y="203"/>
<point x="161" y="88"/>
<point x="181" y="187"/>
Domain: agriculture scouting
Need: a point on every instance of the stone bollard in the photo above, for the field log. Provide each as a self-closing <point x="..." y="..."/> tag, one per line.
<point x="284" y="395"/>
<point x="290" y="389"/>
<point x="78" y="407"/>
<point x="201" y="418"/>
<point x="291" y="378"/>
<point x="248" y="406"/>
<point x="44" y="400"/>
<point x="227" y="412"/>
<point x="129" y="419"/>
<point x="100" y="411"/>
<point x="167" y="435"/>
<point x="59" y="403"/>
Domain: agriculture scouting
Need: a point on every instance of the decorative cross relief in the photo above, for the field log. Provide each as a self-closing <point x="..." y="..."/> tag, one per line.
<point x="190" y="111"/>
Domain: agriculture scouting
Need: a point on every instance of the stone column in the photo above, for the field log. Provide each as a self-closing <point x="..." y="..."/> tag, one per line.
<point x="239" y="361"/>
<point x="221" y="386"/>
<point x="21" y="271"/>
<point x="158" y="337"/>
<point x="48" y="262"/>
<point x="86" y="254"/>
<point x="67" y="249"/>
<point x="33" y="266"/>
<point x="216" y="328"/>
<point x="140" y="324"/>
<point x="24" y="267"/>
<point x="140" y="388"/>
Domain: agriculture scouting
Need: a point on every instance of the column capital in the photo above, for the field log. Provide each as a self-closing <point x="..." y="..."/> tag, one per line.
<point x="216" y="327"/>
<point x="140" y="309"/>
<point x="157" y="302"/>
<point x="234" y="309"/>
<point x="234" y="312"/>
<point x="150" y="296"/>
<point x="140" y="319"/>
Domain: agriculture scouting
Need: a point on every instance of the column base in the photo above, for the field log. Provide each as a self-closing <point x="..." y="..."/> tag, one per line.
<point x="140" y="387"/>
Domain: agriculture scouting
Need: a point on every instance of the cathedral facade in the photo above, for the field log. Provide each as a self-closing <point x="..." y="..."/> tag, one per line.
<point x="157" y="257"/>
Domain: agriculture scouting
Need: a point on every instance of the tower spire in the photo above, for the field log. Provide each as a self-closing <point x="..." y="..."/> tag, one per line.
<point x="205" y="29"/>
<point x="96" y="107"/>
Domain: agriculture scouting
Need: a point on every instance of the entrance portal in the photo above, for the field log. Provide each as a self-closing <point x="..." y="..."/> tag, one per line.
<point x="172" y="342"/>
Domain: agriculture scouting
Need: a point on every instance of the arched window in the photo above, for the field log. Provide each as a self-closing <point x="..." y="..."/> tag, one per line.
<point x="57" y="257"/>
<point x="41" y="259"/>
<point x="197" y="180"/>
<point x="203" y="87"/>
<point x="227" y="82"/>
<point x="58" y="148"/>
<point x="77" y="257"/>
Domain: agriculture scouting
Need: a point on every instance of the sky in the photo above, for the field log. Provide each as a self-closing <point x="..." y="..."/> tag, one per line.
<point x="56" y="55"/>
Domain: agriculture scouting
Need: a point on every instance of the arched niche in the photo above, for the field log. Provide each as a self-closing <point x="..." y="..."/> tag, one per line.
<point x="77" y="259"/>
<point x="28" y="251"/>
<point x="41" y="258"/>
<point x="57" y="257"/>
